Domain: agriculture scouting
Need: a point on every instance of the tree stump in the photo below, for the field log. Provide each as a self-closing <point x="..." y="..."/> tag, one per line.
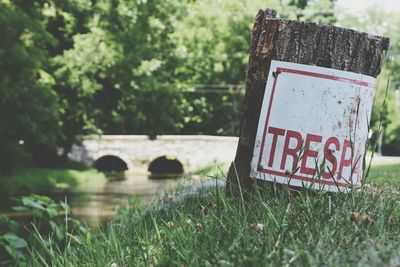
<point x="296" y="42"/>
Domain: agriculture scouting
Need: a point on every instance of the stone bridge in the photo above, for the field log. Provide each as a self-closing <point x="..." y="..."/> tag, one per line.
<point x="138" y="151"/>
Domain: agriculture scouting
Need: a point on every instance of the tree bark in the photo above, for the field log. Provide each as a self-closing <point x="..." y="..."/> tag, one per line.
<point x="297" y="42"/>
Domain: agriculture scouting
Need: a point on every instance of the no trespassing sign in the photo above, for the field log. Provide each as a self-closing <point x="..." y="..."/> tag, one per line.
<point x="313" y="127"/>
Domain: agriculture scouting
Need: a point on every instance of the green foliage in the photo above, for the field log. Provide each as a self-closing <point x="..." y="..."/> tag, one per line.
<point x="73" y="68"/>
<point x="28" y="105"/>
<point x="49" y="216"/>
<point x="391" y="147"/>
<point x="377" y="21"/>
<point x="320" y="11"/>
<point x="391" y="134"/>
<point x="49" y="219"/>
<point x="212" y="42"/>
<point x="113" y="77"/>
<point x="135" y="67"/>
<point x="11" y="244"/>
<point x="12" y="156"/>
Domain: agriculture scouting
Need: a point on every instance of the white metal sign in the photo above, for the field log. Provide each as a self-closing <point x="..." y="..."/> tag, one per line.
<point x="313" y="127"/>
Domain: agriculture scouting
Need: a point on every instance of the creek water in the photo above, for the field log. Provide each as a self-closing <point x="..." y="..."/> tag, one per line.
<point x="96" y="203"/>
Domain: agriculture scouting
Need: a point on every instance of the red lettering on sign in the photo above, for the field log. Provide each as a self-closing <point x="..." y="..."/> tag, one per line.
<point x="291" y="151"/>
<point x="357" y="167"/>
<point x="275" y="132"/>
<point x="343" y="161"/>
<point x="308" y="153"/>
<point x="328" y="153"/>
<point x="292" y="144"/>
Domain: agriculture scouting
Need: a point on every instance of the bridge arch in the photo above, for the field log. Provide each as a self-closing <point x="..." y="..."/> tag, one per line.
<point x="165" y="165"/>
<point x="111" y="161"/>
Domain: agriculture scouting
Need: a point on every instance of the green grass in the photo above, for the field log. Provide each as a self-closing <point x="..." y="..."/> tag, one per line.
<point x="273" y="228"/>
<point x="46" y="181"/>
<point x="385" y="175"/>
<point x="213" y="170"/>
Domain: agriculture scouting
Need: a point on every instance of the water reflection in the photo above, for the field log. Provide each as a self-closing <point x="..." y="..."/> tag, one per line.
<point x="98" y="202"/>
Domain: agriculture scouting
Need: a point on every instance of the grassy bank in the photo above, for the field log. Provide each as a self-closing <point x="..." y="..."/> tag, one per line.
<point x="385" y="175"/>
<point x="213" y="170"/>
<point x="46" y="181"/>
<point x="271" y="228"/>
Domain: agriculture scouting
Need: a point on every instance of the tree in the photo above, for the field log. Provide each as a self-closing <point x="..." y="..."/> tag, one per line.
<point x="28" y="106"/>
<point x="150" y="102"/>
<point x="79" y="74"/>
<point x="114" y="78"/>
<point x="123" y="67"/>
<point x="211" y="43"/>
